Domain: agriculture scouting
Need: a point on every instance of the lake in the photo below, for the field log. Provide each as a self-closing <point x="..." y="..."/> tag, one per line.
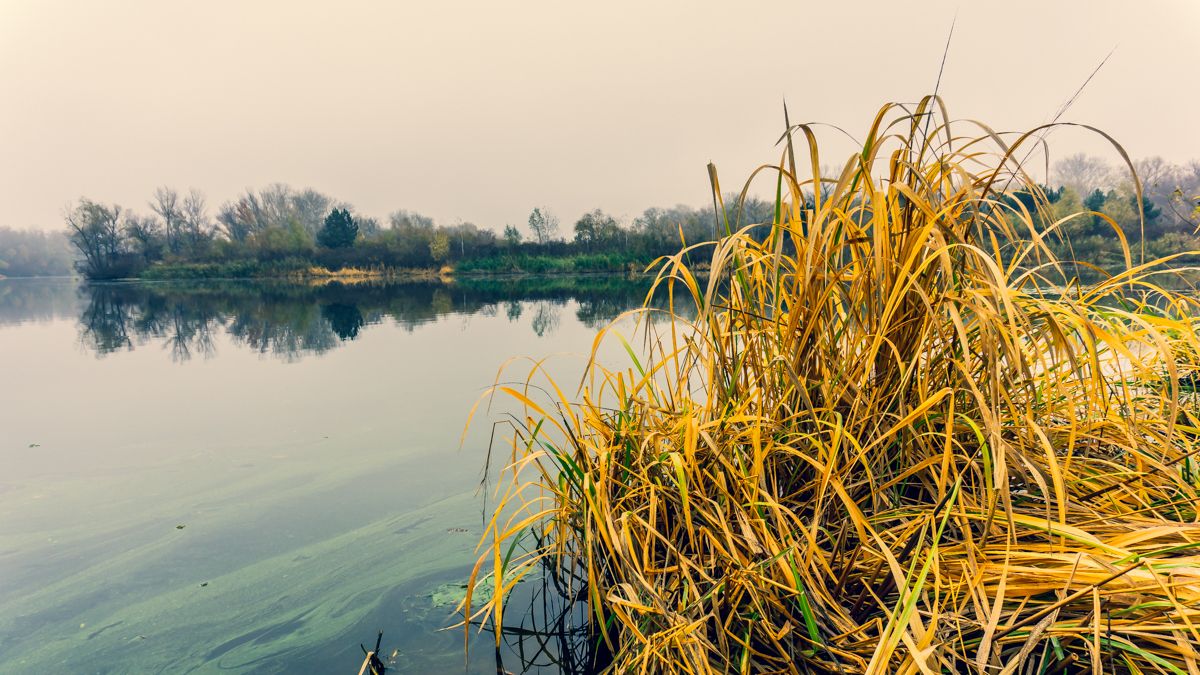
<point x="245" y="477"/>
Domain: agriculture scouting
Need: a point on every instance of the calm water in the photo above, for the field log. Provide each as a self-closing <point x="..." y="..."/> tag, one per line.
<point x="254" y="478"/>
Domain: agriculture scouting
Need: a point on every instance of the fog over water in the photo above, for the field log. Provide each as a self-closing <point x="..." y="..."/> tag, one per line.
<point x="479" y="111"/>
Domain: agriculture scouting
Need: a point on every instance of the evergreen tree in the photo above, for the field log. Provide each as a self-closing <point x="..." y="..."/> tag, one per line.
<point x="1149" y="210"/>
<point x="339" y="230"/>
<point x="1095" y="202"/>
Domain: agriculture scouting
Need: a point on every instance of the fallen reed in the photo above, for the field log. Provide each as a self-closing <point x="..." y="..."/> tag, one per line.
<point x="892" y="433"/>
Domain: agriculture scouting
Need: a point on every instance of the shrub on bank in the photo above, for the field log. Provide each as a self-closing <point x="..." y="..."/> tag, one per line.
<point x="234" y="269"/>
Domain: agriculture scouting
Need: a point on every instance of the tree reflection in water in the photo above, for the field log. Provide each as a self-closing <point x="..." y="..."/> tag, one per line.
<point x="36" y="300"/>
<point x="290" y="320"/>
<point x="345" y="320"/>
<point x="545" y="317"/>
<point x="550" y="633"/>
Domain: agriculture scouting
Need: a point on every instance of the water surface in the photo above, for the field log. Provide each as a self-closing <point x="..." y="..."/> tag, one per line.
<point x="240" y="477"/>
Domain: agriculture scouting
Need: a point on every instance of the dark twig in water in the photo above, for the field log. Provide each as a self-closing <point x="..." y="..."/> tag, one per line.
<point x="371" y="663"/>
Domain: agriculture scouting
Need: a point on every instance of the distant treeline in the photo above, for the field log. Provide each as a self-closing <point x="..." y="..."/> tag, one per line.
<point x="279" y="230"/>
<point x="34" y="253"/>
<point x="1165" y="220"/>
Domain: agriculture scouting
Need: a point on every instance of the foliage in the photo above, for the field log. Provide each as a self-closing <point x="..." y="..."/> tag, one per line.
<point x="233" y="269"/>
<point x="439" y="247"/>
<point x="277" y="242"/>
<point x="1150" y="211"/>
<point x="339" y="231"/>
<point x="596" y="228"/>
<point x="280" y="222"/>
<point x="881" y="445"/>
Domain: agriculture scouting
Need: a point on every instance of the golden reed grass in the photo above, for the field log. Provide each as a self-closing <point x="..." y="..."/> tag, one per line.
<point x="897" y="436"/>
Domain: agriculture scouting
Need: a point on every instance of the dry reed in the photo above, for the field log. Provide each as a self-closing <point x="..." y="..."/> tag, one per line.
<point x="897" y="437"/>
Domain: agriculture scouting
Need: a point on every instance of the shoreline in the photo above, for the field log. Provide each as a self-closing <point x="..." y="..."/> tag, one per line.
<point x="309" y="273"/>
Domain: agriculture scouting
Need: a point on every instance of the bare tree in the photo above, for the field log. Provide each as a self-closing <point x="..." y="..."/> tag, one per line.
<point x="409" y="220"/>
<point x="543" y="224"/>
<point x="1083" y="174"/>
<point x="196" y="228"/>
<point x="95" y="229"/>
<point x="1156" y="174"/>
<point x="236" y="220"/>
<point x="663" y="227"/>
<point x="166" y="205"/>
<point x="368" y="226"/>
<point x="276" y="200"/>
<point x="146" y="235"/>
<point x="1189" y="177"/>
<point x="309" y="208"/>
<point x="255" y="212"/>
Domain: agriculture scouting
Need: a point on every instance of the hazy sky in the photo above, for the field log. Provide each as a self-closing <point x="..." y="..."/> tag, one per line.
<point x="481" y="110"/>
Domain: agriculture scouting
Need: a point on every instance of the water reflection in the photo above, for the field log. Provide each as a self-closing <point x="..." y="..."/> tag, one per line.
<point x="243" y="516"/>
<point x="546" y="627"/>
<point x="288" y="321"/>
<point x="36" y="300"/>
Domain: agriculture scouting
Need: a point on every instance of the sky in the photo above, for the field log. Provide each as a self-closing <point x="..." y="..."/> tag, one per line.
<point x="479" y="111"/>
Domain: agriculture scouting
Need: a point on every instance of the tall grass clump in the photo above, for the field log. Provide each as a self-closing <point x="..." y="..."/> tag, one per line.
<point x="896" y="436"/>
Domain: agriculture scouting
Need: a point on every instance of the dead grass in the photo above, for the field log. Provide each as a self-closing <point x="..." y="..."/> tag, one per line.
<point x="881" y="446"/>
